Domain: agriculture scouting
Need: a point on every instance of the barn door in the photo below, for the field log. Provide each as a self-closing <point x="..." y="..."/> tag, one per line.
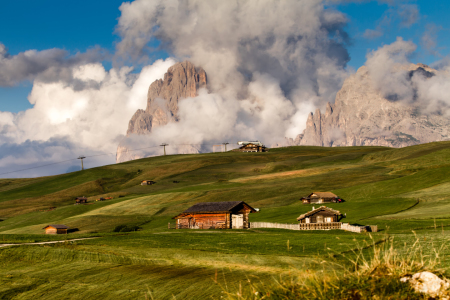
<point x="237" y="221"/>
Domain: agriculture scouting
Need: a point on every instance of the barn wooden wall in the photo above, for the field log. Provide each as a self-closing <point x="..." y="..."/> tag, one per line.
<point x="205" y="221"/>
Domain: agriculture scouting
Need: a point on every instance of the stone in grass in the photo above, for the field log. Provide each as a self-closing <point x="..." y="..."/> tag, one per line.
<point x="428" y="283"/>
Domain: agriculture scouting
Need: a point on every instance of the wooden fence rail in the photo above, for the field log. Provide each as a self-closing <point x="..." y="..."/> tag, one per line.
<point x="320" y="226"/>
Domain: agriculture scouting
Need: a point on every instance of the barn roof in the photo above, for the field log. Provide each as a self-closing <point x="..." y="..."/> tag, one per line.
<point x="336" y="212"/>
<point x="324" y="194"/>
<point x="209" y="207"/>
<point x="57" y="226"/>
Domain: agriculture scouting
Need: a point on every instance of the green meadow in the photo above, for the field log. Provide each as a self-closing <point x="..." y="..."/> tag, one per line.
<point x="403" y="191"/>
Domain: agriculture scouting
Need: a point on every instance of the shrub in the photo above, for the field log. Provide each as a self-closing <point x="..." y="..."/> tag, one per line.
<point x="126" y="228"/>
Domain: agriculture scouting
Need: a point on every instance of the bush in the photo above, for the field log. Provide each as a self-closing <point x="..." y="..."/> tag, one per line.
<point x="126" y="228"/>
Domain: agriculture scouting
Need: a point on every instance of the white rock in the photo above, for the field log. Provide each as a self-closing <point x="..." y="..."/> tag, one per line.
<point x="428" y="283"/>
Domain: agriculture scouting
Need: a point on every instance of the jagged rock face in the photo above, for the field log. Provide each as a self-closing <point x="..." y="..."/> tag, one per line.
<point x="362" y="116"/>
<point x="182" y="80"/>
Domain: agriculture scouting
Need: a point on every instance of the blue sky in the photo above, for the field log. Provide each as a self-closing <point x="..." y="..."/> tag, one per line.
<point x="81" y="25"/>
<point x="369" y="15"/>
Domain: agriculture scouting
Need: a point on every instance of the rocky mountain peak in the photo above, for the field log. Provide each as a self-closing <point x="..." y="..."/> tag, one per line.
<point x="362" y="115"/>
<point x="182" y="80"/>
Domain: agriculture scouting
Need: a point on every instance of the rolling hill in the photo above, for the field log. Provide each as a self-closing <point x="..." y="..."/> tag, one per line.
<point x="400" y="190"/>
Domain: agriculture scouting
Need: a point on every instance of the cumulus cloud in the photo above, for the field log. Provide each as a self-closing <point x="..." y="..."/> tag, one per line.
<point x="267" y="62"/>
<point x="47" y="66"/>
<point x="393" y="74"/>
<point x="58" y="154"/>
<point x="91" y="120"/>
<point x="384" y="66"/>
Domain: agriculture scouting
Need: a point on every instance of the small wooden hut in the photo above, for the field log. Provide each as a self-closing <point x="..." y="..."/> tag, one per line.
<point x="321" y="197"/>
<point x="147" y="182"/>
<point x="206" y="215"/>
<point x="56" y="229"/>
<point x="80" y="200"/>
<point x="321" y="218"/>
<point x="255" y="146"/>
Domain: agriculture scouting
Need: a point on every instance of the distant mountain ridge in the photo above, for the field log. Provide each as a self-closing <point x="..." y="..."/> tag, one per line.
<point x="362" y="116"/>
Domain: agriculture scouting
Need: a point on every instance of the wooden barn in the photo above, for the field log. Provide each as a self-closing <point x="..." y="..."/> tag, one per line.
<point x="255" y="146"/>
<point x="321" y="218"/>
<point x="147" y="182"/>
<point x="321" y="197"/>
<point x="80" y="200"/>
<point x="56" y="229"/>
<point x="206" y="215"/>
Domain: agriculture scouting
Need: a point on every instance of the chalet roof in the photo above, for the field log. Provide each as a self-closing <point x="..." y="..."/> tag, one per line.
<point x="336" y="212"/>
<point x="57" y="226"/>
<point x="324" y="194"/>
<point x="208" y="207"/>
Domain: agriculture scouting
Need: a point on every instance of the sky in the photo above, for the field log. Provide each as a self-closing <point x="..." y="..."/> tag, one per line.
<point x="64" y="62"/>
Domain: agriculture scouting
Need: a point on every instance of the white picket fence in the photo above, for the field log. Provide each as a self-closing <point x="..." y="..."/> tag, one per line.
<point x="315" y="226"/>
<point x="352" y="228"/>
<point x="274" y="225"/>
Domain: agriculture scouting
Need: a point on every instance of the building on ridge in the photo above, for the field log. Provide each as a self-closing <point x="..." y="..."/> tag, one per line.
<point x="80" y="200"/>
<point x="56" y="229"/>
<point x="321" y="197"/>
<point x="251" y="146"/>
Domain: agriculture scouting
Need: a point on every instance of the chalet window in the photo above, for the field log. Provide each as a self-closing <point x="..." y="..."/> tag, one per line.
<point x="319" y="219"/>
<point x="328" y="219"/>
<point x="306" y="220"/>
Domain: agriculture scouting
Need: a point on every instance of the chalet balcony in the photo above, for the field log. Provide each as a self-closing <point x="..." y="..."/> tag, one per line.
<point x="320" y="226"/>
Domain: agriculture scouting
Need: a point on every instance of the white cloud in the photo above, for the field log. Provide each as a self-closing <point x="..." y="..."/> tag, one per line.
<point x="266" y="61"/>
<point x="372" y="34"/>
<point x="49" y="65"/>
<point x="93" y="119"/>
<point x="389" y="67"/>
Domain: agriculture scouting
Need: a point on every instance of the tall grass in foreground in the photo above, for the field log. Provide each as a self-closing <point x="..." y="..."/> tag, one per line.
<point x="366" y="273"/>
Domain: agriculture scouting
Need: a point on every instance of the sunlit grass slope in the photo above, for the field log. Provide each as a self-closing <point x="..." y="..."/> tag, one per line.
<point x="400" y="189"/>
<point x="385" y="183"/>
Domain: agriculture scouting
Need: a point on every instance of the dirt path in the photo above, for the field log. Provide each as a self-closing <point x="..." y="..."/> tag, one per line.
<point x="49" y="242"/>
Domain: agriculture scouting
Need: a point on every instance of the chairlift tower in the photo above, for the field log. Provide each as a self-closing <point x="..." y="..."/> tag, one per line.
<point x="225" y="144"/>
<point x="81" y="157"/>
<point x="164" y="145"/>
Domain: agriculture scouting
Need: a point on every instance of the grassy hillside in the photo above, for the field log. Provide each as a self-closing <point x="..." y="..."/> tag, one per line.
<point x="400" y="190"/>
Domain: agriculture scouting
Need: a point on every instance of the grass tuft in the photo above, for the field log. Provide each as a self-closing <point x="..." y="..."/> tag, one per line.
<point x="366" y="273"/>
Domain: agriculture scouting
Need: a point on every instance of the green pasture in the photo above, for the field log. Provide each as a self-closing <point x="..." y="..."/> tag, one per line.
<point x="403" y="191"/>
